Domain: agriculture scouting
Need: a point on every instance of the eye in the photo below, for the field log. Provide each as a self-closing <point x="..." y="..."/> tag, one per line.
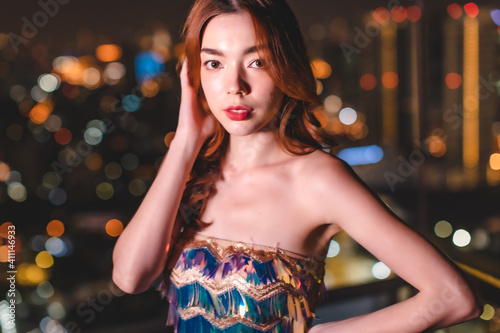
<point x="212" y="64"/>
<point x="257" y="63"/>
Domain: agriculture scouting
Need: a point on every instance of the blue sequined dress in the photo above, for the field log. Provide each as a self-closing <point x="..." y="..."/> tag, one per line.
<point x="233" y="287"/>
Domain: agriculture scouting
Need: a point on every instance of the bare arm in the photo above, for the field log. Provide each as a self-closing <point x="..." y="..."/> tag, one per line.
<point x="444" y="298"/>
<point x="140" y="253"/>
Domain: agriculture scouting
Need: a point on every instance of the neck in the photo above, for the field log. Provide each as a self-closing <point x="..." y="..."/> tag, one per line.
<point x="252" y="151"/>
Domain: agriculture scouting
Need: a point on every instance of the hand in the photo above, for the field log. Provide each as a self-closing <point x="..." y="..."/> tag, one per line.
<point x="194" y="120"/>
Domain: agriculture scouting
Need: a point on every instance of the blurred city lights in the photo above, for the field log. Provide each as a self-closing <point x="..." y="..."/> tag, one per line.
<point x="488" y="312"/>
<point x="443" y="229"/>
<point x="104" y="191"/>
<point x="398" y="14"/>
<point x="45" y="289"/>
<point x="333" y="249"/>
<point x="93" y="161"/>
<point x="113" y="170"/>
<point x="380" y="270"/>
<point x="471" y="9"/>
<point x="55" y="228"/>
<point x="57" y="196"/>
<point x="48" y="82"/>
<point x="51" y="180"/>
<point x="495" y="16"/>
<point x="56" y="310"/>
<point x="453" y="80"/>
<point x="39" y="113"/>
<point x="30" y="274"/>
<point x="414" y="13"/>
<point x="480" y="239"/>
<point x="37" y="243"/>
<point x="53" y="123"/>
<point x="137" y="187"/>
<point x="38" y="94"/>
<point x="348" y="116"/>
<point x="436" y="145"/>
<point x="361" y="155"/>
<point x="168" y="138"/>
<point x="56" y="247"/>
<point x="131" y="103"/>
<point x="495" y="161"/>
<point x="333" y="104"/>
<point x="44" y="259"/>
<point x="108" y="52"/>
<point x="92" y="136"/>
<point x="113" y="72"/>
<point x="63" y="136"/>
<point x="381" y="15"/>
<point x="4" y="171"/>
<point x="4" y="229"/>
<point x="368" y="81"/>
<point x="461" y="238"/>
<point x="321" y="69"/>
<point x="390" y="80"/>
<point x="114" y="227"/>
<point x="454" y="10"/>
<point x="148" y="65"/>
<point x="130" y="161"/>
<point x="17" y="192"/>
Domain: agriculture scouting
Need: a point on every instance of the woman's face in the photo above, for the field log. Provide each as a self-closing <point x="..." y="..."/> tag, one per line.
<point x="239" y="92"/>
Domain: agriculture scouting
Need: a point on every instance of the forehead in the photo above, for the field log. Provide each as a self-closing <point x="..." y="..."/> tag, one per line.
<point x="228" y="30"/>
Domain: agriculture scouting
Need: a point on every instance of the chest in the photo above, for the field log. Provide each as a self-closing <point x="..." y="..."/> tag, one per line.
<point x="261" y="208"/>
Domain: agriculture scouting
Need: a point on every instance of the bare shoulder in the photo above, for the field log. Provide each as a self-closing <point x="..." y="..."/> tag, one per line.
<point x="322" y="182"/>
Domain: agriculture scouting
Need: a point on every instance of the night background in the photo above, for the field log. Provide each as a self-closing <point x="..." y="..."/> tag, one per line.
<point x="89" y="99"/>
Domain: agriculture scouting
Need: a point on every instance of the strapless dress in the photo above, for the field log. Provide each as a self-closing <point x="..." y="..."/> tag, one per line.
<point x="219" y="285"/>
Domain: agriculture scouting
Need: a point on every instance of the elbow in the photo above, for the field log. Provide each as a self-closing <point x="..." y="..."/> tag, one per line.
<point x="129" y="284"/>
<point x="468" y="307"/>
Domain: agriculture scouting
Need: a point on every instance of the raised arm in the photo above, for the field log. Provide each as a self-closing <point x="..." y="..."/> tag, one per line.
<point x="444" y="298"/>
<point x="141" y="250"/>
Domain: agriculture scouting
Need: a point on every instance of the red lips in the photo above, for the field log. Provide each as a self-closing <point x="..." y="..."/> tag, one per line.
<point x="237" y="112"/>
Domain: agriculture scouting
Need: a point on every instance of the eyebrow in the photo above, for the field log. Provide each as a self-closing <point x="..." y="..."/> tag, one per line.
<point x="251" y="49"/>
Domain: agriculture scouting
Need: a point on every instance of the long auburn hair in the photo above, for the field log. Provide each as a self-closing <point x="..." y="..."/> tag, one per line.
<point x="288" y="66"/>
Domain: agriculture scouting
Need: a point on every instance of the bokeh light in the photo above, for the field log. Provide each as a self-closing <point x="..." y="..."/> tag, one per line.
<point x="17" y="192"/>
<point x="471" y="9"/>
<point x="495" y="16"/>
<point x="93" y="161"/>
<point x="113" y="170"/>
<point x="56" y="246"/>
<point x="130" y="161"/>
<point x="108" y="52"/>
<point x="390" y="80"/>
<point x="380" y="271"/>
<point x="488" y="312"/>
<point x="321" y="69"/>
<point x="414" y="13"/>
<point x="49" y="82"/>
<point x="58" y="196"/>
<point x="495" y="161"/>
<point x="398" y="14"/>
<point x="454" y="10"/>
<point x="4" y="171"/>
<point x="347" y="116"/>
<point x="333" y="104"/>
<point x="53" y="123"/>
<point x="55" y="228"/>
<point x="368" y="81"/>
<point x="39" y="113"/>
<point x="436" y="146"/>
<point x="333" y="249"/>
<point x="443" y="229"/>
<point x="114" y="227"/>
<point x="168" y="138"/>
<point x="381" y="15"/>
<point x="4" y="229"/>
<point x="461" y="238"/>
<point x="137" y="187"/>
<point x="44" y="259"/>
<point x="63" y="136"/>
<point x="45" y="289"/>
<point x="105" y="191"/>
<point x="453" y="80"/>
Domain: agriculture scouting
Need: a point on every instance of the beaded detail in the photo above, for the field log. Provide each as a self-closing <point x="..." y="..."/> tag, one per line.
<point x="224" y="286"/>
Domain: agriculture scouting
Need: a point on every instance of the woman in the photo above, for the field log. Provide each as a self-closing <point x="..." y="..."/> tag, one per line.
<point x="245" y="202"/>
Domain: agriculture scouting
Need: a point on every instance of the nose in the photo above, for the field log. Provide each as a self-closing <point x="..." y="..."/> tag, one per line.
<point x="236" y="84"/>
